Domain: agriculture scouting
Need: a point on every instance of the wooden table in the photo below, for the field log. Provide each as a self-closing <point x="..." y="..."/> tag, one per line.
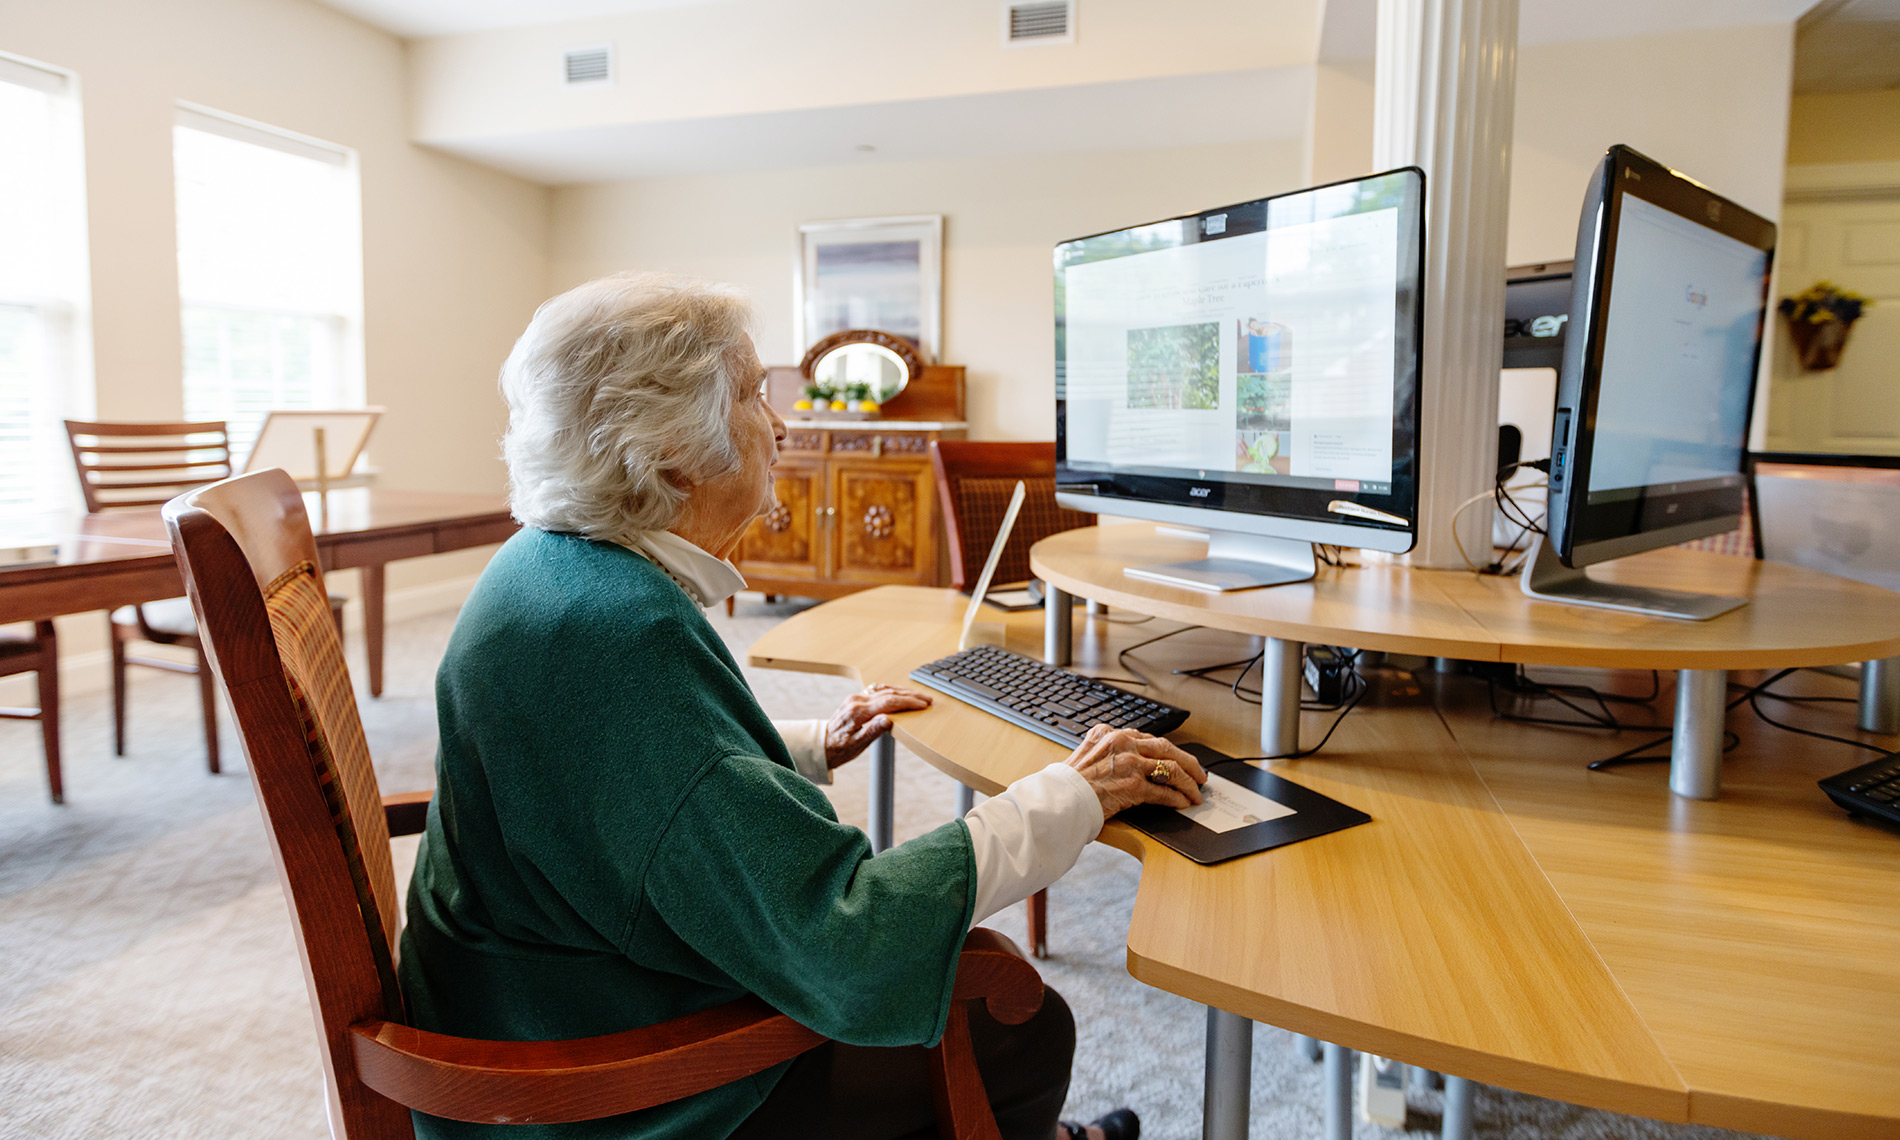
<point x="1508" y="916"/>
<point x="122" y="557"/>
<point x="1795" y="617"/>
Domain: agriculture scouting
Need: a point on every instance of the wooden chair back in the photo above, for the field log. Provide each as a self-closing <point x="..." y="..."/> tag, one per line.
<point x="974" y="483"/>
<point x="122" y="465"/>
<point x="250" y="566"/>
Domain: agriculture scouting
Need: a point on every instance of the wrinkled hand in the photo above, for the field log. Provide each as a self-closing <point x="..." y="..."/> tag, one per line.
<point x="1116" y="762"/>
<point x="863" y="718"/>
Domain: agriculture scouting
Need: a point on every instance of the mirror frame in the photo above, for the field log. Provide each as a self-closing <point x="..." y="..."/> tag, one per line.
<point x="905" y="350"/>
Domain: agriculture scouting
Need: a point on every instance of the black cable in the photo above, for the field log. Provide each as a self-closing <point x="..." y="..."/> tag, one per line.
<point x="1121" y="658"/>
<point x="1361" y="688"/>
<point x="1631" y="757"/>
<point x="1250" y="696"/>
<point x="1754" y="702"/>
<point x="1523" y="685"/>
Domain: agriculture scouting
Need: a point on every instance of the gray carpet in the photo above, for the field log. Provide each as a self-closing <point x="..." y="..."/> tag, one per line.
<point x="149" y="986"/>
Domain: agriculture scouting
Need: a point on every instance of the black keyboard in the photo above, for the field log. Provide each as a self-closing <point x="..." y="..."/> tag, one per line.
<point x="1871" y="789"/>
<point x="1046" y="700"/>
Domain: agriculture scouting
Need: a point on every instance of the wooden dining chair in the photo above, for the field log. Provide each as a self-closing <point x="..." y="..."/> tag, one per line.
<point x="37" y="652"/>
<point x="974" y="484"/>
<point x="250" y="567"/>
<point x="139" y="466"/>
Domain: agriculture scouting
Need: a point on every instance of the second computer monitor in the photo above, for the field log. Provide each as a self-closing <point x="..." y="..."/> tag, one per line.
<point x="1663" y="343"/>
<point x="1251" y="370"/>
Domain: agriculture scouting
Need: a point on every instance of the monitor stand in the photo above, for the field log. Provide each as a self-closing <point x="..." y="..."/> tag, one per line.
<point x="1236" y="562"/>
<point x="1547" y="579"/>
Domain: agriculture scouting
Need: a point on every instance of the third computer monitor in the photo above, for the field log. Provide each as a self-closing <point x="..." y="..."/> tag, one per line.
<point x="1251" y="369"/>
<point x="1658" y="377"/>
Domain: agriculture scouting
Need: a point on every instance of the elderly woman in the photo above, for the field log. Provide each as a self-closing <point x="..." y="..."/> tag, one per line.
<point x="619" y="834"/>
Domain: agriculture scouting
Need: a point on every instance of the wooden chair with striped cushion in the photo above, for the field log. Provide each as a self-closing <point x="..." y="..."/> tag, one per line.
<point x="250" y="566"/>
<point x="139" y="466"/>
<point x="974" y="484"/>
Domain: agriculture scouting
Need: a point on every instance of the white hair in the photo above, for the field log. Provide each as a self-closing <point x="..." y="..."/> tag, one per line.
<point x="620" y="391"/>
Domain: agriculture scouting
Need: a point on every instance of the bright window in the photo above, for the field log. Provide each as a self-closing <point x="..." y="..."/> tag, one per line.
<point x="270" y="272"/>
<point x="45" y="344"/>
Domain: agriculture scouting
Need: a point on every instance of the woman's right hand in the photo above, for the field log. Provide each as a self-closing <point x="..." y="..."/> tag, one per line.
<point x="1117" y="763"/>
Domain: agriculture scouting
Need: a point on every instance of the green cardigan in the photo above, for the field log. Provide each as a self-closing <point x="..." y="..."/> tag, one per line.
<point x="618" y="837"/>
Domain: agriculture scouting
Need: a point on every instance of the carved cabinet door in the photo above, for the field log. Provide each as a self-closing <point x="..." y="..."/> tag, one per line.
<point x="787" y="541"/>
<point x="882" y="522"/>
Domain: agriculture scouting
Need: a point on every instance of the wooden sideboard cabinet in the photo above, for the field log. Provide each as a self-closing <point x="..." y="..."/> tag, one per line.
<point x="855" y="503"/>
<point x="855" y="507"/>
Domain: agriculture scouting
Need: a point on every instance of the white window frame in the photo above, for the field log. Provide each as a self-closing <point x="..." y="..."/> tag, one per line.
<point x="350" y="391"/>
<point x="63" y="317"/>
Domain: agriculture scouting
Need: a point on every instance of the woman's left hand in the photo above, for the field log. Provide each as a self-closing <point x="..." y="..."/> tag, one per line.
<point x="863" y="717"/>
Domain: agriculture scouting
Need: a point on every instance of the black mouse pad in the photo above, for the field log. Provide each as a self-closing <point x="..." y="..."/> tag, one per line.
<point x="1312" y="814"/>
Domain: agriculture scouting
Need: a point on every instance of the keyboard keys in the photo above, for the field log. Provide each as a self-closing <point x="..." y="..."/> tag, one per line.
<point x="1053" y="702"/>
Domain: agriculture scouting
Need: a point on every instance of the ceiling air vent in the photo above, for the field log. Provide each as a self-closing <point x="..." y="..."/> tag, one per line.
<point x="588" y="66"/>
<point x="1038" y="22"/>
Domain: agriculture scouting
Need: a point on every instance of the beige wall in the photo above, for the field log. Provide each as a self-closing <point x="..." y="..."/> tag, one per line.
<point x="1862" y="126"/>
<point x="1712" y="104"/>
<point x="1002" y="218"/>
<point x="1340" y="143"/>
<point x="454" y="255"/>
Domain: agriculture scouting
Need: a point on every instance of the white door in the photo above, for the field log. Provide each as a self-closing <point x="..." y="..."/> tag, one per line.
<point x="1854" y="408"/>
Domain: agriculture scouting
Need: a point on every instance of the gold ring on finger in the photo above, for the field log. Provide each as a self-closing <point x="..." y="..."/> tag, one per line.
<point x="1163" y="772"/>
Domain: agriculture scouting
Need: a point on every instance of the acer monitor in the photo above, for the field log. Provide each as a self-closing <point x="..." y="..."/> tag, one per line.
<point x="1650" y="428"/>
<point x="1251" y="371"/>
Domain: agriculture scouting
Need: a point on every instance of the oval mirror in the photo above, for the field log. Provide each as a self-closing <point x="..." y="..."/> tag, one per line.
<point x="881" y="362"/>
<point x="880" y="370"/>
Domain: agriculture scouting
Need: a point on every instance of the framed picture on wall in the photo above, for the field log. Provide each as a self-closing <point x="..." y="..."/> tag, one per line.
<point x="870" y="273"/>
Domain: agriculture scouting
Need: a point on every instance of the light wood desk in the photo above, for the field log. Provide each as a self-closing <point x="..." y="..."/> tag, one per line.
<point x="1795" y="616"/>
<point x="120" y="558"/>
<point x="1507" y="917"/>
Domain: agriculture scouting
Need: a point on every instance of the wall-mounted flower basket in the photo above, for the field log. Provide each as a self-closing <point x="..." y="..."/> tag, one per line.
<point x="1819" y="319"/>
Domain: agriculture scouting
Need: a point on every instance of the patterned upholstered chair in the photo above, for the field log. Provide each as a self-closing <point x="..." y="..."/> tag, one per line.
<point x="250" y="566"/>
<point x="974" y="483"/>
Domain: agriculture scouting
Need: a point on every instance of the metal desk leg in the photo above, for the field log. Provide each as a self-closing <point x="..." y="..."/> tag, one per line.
<point x="1058" y="616"/>
<point x="1229" y="1080"/>
<point x="1305" y="1048"/>
<point x="1880" y="696"/>
<point x="1338" y="1092"/>
<point x="883" y="799"/>
<point x="1459" y="1094"/>
<point x="966" y="799"/>
<point x="1695" y="757"/>
<point x="1282" y="671"/>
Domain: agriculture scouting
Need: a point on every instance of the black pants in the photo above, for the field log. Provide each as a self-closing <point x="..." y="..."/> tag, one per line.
<point x="844" y="1092"/>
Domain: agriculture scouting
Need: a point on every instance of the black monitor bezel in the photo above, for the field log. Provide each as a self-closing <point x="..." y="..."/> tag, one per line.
<point x="1300" y="503"/>
<point x="1586" y="532"/>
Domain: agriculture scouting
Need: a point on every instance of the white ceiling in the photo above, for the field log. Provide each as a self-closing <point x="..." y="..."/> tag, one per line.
<point x="413" y="18"/>
<point x="1540" y="21"/>
<point x="1351" y="25"/>
<point x="1261" y="104"/>
<point x="1171" y="111"/>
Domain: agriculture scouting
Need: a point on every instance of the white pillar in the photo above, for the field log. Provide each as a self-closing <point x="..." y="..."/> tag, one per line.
<point x="1445" y="81"/>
